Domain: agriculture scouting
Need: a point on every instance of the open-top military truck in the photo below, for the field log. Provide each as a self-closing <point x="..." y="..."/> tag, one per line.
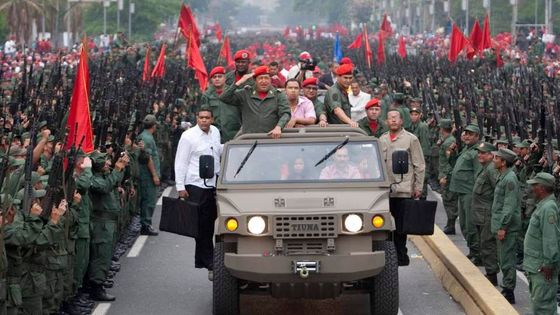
<point x="304" y="216"/>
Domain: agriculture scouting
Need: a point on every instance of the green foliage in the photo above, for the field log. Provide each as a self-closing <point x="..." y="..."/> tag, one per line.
<point x="4" y="29"/>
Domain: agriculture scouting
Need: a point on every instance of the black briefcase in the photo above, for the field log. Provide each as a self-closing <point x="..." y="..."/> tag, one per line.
<point x="179" y="216"/>
<point x="415" y="217"/>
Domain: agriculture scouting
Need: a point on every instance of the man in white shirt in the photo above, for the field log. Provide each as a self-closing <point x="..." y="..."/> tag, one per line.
<point x="358" y="99"/>
<point x="202" y="139"/>
<point x="296" y="71"/>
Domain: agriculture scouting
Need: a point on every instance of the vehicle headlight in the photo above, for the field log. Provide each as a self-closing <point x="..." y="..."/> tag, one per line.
<point x="378" y="221"/>
<point x="231" y="224"/>
<point x="353" y="223"/>
<point x="256" y="225"/>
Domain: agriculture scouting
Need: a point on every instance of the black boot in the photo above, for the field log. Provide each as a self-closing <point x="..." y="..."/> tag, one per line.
<point x="148" y="230"/>
<point x="493" y="278"/>
<point x="99" y="294"/>
<point x="508" y="294"/>
<point x="449" y="229"/>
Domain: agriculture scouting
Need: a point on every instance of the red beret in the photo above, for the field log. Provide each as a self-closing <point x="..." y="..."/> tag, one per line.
<point x="260" y="71"/>
<point x="372" y="103"/>
<point x="217" y="70"/>
<point x="241" y="54"/>
<point x="345" y="69"/>
<point x="346" y="61"/>
<point x="310" y="81"/>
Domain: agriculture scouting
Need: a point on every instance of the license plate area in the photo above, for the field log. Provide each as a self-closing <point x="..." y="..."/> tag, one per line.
<point x="306" y="267"/>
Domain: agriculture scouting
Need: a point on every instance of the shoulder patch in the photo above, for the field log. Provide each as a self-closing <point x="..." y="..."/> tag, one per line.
<point x="511" y="186"/>
<point x="335" y="97"/>
<point x="552" y="219"/>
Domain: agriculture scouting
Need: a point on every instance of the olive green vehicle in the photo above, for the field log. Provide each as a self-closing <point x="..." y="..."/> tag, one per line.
<point x="304" y="216"/>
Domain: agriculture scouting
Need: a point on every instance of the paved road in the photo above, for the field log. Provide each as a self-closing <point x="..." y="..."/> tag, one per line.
<point x="162" y="280"/>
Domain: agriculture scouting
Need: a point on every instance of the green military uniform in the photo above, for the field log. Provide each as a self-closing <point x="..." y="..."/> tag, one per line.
<point x="421" y="130"/>
<point x="106" y="210"/>
<point x="227" y="118"/>
<point x="483" y="196"/>
<point x="336" y="97"/>
<point x="445" y="170"/>
<point x="364" y="124"/>
<point x="82" y="246"/>
<point x="462" y="182"/>
<point x="163" y="143"/>
<point x="148" y="190"/>
<point x="433" y="167"/>
<point x="506" y="216"/>
<point x="258" y="115"/>
<point x="319" y="108"/>
<point x="541" y="249"/>
<point x="231" y="78"/>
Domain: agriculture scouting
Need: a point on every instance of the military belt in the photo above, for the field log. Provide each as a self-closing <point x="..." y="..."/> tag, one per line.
<point x="105" y="216"/>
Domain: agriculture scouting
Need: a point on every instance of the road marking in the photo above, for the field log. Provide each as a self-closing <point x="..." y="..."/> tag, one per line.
<point x="101" y="309"/>
<point x="400" y="312"/>
<point x="137" y="247"/>
<point x="165" y="193"/>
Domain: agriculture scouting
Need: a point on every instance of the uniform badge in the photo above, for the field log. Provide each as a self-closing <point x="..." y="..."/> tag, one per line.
<point x="244" y="56"/>
<point x="552" y="219"/>
<point x="510" y="186"/>
<point x="335" y="97"/>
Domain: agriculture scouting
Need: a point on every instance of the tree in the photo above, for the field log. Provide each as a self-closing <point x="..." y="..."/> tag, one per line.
<point x="20" y="15"/>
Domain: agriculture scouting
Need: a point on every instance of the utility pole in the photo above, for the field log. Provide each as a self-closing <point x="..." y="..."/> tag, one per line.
<point x="106" y="4"/>
<point x="131" y="10"/>
<point x="433" y="13"/>
<point x="465" y="7"/>
<point x="514" y="21"/>
<point x="120" y="6"/>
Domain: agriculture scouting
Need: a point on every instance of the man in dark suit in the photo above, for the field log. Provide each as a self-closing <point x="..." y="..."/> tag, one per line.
<point x="328" y="79"/>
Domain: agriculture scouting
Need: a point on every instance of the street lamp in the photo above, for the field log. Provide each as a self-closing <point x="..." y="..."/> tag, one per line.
<point x="131" y="10"/>
<point x="120" y="6"/>
<point x="106" y="4"/>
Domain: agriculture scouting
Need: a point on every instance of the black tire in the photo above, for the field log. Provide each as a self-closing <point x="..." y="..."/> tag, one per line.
<point x="384" y="288"/>
<point x="225" y="288"/>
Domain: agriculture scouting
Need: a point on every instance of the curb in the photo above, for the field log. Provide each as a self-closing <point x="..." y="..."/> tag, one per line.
<point x="463" y="280"/>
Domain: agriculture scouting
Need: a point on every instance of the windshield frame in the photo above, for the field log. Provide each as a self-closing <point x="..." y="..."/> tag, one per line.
<point x="304" y="184"/>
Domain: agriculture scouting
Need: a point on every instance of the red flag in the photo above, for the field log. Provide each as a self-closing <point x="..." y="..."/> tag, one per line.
<point x="159" y="69"/>
<point x="79" y="118"/>
<point x="287" y="32"/>
<point x="194" y="60"/>
<point x="386" y="26"/>
<point x="486" y="41"/>
<point x="381" y="49"/>
<point x="458" y="42"/>
<point x="187" y="24"/>
<point x="368" y="52"/>
<point x="146" y="72"/>
<point x="218" y="30"/>
<point x="402" y="48"/>
<point x="225" y="53"/>
<point x="357" y="43"/>
<point x="499" y="61"/>
<point x="476" y="39"/>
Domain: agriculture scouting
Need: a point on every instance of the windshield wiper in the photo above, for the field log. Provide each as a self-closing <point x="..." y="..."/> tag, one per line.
<point x="331" y="152"/>
<point x="246" y="158"/>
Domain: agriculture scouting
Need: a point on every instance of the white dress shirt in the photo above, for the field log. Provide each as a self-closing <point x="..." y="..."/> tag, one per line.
<point x="358" y="103"/>
<point x="193" y="143"/>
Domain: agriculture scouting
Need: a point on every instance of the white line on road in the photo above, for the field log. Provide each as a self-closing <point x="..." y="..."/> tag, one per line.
<point x="165" y="193"/>
<point x="101" y="309"/>
<point x="400" y="312"/>
<point x="137" y="247"/>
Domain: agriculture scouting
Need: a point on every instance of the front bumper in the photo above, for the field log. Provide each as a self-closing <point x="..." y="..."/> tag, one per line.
<point x="279" y="269"/>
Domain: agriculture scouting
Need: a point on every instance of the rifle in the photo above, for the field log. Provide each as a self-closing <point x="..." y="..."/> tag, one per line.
<point x="28" y="169"/>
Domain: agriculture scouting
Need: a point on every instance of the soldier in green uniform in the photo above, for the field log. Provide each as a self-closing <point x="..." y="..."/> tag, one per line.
<point x="462" y="182"/>
<point x="433" y="167"/>
<point x="263" y="108"/>
<point x="372" y="124"/>
<point x="541" y="246"/>
<point x="506" y="219"/>
<point x="421" y="130"/>
<point x="523" y="170"/>
<point x="104" y="218"/>
<point x="310" y="87"/>
<point x="242" y="60"/>
<point x="445" y="169"/>
<point x="227" y="118"/>
<point x="400" y="104"/>
<point x="337" y="104"/>
<point x="149" y="176"/>
<point x="483" y="196"/>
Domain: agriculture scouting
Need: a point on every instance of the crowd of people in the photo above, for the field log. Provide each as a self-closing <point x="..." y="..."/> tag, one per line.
<point x="484" y="137"/>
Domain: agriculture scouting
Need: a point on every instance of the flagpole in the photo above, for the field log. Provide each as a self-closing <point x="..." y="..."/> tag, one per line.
<point x="178" y="28"/>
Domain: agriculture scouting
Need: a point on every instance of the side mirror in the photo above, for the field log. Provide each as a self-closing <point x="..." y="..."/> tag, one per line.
<point x="206" y="167"/>
<point x="400" y="162"/>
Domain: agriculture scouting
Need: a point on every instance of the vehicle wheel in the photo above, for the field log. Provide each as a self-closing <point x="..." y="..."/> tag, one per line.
<point x="384" y="288"/>
<point x="225" y="288"/>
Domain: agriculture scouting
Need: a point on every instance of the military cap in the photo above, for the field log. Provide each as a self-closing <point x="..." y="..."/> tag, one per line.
<point x="516" y="140"/>
<point x="346" y="61"/>
<point x="98" y="157"/>
<point x="445" y="123"/>
<point x="262" y="70"/>
<point x="242" y="54"/>
<point x="398" y="96"/>
<point x="473" y="128"/>
<point x="523" y="144"/>
<point x="544" y="179"/>
<point x="486" y="147"/>
<point x="501" y="141"/>
<point x="374" y="102"/>
<point x="150" y="119"/>
<point x="35" y="178"/>
<point x="416" y="100"/>
<point x="25" y="135"/>
<point x="40" y="193"/>
<point x="42" y="124"/>
<point x="310" y="81"/>
<point x="506" y="154"/>
<point x="345" y="69"/>
<point x="416" y="110"/>
<point x="217" y="70"/>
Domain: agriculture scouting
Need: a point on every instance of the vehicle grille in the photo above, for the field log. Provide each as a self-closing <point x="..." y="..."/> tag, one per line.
<point x="290" y="227"/>
<point x="298" y="247"/>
